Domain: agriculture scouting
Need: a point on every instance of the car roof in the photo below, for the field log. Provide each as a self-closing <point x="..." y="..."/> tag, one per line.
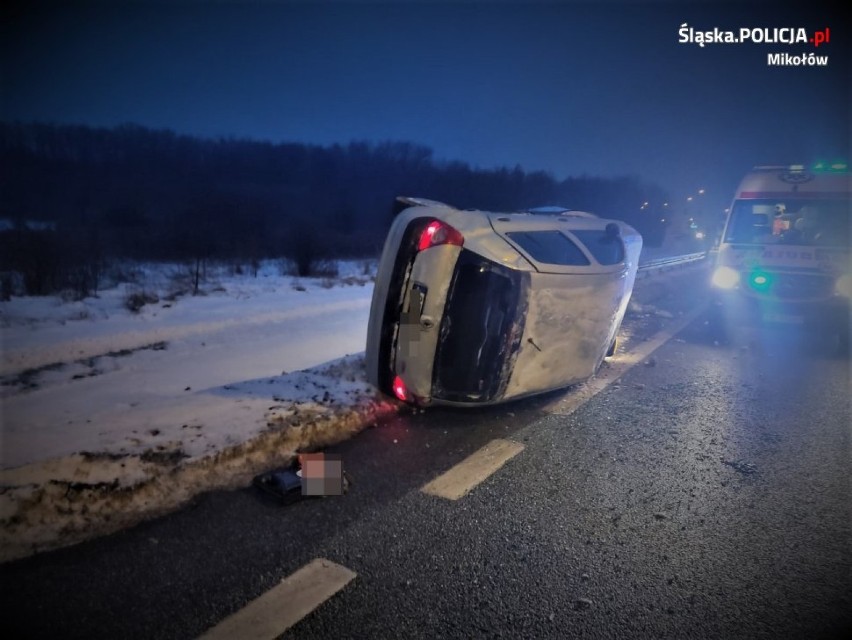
<point x="547" y="217"/>
<point x="532" y="221"/>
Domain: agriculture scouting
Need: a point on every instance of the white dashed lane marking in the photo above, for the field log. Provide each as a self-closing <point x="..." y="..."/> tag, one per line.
<point x="471" y="471"/>
<point x="272" y="613"/>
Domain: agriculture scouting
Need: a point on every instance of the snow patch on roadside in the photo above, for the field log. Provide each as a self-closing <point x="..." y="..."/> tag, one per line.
<point x="108" y="417"/>
<point x="57" y="502"/>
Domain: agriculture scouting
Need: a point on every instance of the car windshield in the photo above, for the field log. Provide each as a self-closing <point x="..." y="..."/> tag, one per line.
<point x="790" y="221"/>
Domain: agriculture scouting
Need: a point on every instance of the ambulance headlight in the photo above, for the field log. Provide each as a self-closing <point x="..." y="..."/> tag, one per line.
<point x="725" y="278"/>
<point x="843" y="286"/>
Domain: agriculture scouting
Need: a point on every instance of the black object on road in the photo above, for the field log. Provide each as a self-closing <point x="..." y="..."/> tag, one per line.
<point x="283" y="484"/>
<point x="288" y="485"/>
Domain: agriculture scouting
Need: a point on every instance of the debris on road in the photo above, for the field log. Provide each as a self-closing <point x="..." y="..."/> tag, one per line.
<point x="310" y="475"/>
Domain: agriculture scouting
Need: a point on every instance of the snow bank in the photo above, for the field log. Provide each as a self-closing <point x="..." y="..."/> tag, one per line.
<point x="110" y="417"/>
<point x="64" y="500"/>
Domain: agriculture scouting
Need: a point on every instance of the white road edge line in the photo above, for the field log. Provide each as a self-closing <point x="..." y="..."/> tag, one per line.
<point x="271" y="614"/>
<point x="619" y="365"/>
<point x="460" y="479"/>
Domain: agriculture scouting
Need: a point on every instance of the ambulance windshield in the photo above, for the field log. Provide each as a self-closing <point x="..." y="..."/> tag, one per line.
<point x="820" y="222"/>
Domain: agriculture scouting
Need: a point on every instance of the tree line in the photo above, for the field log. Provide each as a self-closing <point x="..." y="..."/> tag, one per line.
<point x="75" y="198"/>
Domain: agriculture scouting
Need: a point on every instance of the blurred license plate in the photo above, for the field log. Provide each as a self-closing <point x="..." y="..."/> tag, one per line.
<point x="786" y="318"/>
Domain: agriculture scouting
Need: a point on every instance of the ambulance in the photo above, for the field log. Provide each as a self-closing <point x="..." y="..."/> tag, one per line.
<point x="784" y="255"/>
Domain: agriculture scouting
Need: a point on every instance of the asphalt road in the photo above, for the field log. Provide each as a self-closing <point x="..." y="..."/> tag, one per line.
<point x="706" y="494"/>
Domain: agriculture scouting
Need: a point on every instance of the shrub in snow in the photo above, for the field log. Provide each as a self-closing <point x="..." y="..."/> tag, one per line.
<point x="123" y="272"/>
<point x="8" y="286"/>
<point x="311" y="268"/>
<point x="369" y="267"/>
<point x="286" y="267"/>
<point x="138" y="299"/>
<point x="325" y="269"/>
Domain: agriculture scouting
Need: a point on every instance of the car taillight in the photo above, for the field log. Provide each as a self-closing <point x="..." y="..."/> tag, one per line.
<point x="437" y="232"/>
<point x="400" y="390"/>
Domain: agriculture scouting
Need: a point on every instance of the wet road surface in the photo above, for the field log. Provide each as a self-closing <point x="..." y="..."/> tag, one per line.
<point x="706" y="494"/>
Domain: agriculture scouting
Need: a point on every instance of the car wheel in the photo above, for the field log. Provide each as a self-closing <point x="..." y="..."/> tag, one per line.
<point x="612" y="347"/>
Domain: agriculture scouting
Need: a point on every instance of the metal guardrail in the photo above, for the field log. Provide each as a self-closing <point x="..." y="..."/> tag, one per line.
<point x="674" y="261"/>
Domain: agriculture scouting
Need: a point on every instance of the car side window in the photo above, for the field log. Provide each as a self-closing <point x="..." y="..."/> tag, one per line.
<point x="606" y="249"/>
<point x="549" y="247"/>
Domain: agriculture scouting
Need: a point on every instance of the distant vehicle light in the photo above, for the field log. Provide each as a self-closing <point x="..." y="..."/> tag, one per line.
<point x="725" y="278"/>
<point x="400" y="390"/>
<point x="437" y="233"/>
<point x="843" y="286"/>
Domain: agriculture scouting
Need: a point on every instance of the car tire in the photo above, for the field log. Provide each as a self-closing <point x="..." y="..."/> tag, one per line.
<point x="612" y="347"/>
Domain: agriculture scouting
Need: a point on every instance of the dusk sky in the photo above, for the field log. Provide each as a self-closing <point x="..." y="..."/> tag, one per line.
<point x="566" y="87"/>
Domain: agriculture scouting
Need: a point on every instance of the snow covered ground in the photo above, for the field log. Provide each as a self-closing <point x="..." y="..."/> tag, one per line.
<point x="91" y="376"/>
<point x="98" y="403"/>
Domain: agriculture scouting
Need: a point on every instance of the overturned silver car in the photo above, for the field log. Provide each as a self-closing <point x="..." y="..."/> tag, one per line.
<point x="474" y="307"/>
